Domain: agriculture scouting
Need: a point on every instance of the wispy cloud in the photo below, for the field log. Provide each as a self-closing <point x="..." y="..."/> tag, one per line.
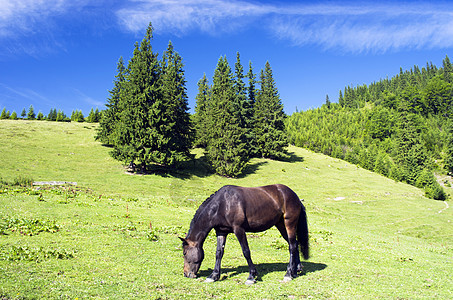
<point x="365" y="27"/>
<point x="35" y="27"/>
<point x="352" y="27"/>
<point x="87" y="99"/>
<point x="180" y="16"/>
<point x="13" y="95"/>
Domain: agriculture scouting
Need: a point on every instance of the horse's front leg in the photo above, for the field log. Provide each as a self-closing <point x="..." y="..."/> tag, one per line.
<point x="253" y="273"/>
<point x="221" y="240"/>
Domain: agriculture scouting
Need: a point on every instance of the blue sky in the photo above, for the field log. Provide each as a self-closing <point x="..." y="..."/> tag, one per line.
<point x="63" y="53"/>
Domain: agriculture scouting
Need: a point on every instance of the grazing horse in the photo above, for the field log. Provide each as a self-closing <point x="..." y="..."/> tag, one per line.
<point x="238" y="210"/>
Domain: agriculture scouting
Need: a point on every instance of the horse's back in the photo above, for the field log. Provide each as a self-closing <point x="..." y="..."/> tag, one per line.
<point x="259" y="207"/>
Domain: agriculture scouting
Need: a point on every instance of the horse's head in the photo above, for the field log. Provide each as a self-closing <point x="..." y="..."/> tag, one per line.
<point x="193" y="256"/>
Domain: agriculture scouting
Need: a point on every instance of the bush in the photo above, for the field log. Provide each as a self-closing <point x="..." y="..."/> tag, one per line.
<point x="435" y="191"/>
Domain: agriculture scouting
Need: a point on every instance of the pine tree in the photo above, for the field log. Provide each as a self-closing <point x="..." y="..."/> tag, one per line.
<point x="61" y="117"/>
<point x="111" y="114"/>
<point x="227" y="144"/>
<point x="449" y="159"/>
<point x="52" y="116"/>
<point x="23" y="114"/>
<point x="4" y="115"/>
<point x="245" y="102"/>
<point x="171" y="126"/>
<point x="250" y="112"/>
<point x="31" y="113"/>
<point x="447" y="70"/>
<point x="13" y="116"/>
<point x="140" y="101"/>
<point x="269" y="118"/>
<point x="91" y="116"/>
<point x="410" y="154"/>
<point x="328" y="103"/>
<point x="40" y="116"/>
<point x="200" y="117"/>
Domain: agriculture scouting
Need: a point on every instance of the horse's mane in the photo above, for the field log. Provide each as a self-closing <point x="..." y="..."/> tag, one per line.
<point x="200" y="211"/>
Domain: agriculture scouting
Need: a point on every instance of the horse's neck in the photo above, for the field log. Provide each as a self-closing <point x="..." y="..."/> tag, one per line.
<point x="200" y="230"/>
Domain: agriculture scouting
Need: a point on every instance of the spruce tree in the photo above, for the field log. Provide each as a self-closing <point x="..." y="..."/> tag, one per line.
<point x="171" y="126"/>
<point x="139" y="102"/>
<point x="110" y="115"/>
<point x="52" y="116"/>
<point x="269" y="118"/>
<point x="449" y="158"/>
<point x="13" y="116"/>
<point x="410" y="155"/>
<point x="91" y="116"/>
<point x="250" y="112"/>
<point x="4" y="115"/>
<point x="23" y="114"/>
<point x="31" y="113"/>
<point x="227" y="144"/>
<point x="200" y="117"/>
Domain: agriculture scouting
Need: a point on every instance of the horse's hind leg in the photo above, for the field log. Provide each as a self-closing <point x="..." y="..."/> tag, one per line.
<point x="242" y="238"/>
<point x="288" y="232"/>
<point x="221" y="240"/>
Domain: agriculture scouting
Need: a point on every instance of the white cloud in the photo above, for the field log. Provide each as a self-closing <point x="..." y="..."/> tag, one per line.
<point x="353" y="27"/>
<point x="180" y="16"/>
<point x="361" y="27"/>
<point x="87" y="99"/>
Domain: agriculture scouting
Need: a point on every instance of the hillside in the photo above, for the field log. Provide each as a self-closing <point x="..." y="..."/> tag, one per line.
<point x="399" y="127"/>
<point x="371" y="237"/>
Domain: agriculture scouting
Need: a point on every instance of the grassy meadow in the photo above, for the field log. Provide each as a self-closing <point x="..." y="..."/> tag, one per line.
<point x="115" y="235"/>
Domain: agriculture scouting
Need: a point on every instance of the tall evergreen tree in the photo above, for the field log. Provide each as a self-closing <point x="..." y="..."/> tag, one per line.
<point x="250" y="111"/>
<point x="40" y="116"/>
<point x="23" y="114"/>
<point x="245" y="102"/>
<point x="31" y="113"/>
<point x="227" y="144"/>
<point x="140" y="101"/>
<point x="410" y="155"/>
<point x="171" y="127"/>
<point x="4" y="115"/>
<point x="111" y="114"/>
<point x="449" y="159"/>
<point x="201" y="121"/>
<point x="447" y="70"/>
<point x="269" y="118"/>
<point x="52" y="116"/>
<point x="149" y="109"/>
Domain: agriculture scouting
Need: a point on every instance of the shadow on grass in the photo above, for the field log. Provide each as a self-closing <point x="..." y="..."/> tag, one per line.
<point x="293" y="157"/>
<point x="264" y="269"/>
<point x="200" y="167"/>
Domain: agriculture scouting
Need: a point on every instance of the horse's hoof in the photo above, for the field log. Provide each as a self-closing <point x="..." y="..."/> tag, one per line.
<point x="287" y="279"/>
<point x="250" y="281"/>
<point x="209" y="280"/>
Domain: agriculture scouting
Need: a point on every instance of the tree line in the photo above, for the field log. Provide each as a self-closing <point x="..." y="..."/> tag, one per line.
<point x="400" y="127"/>
<point x="147" y="120"/>
<point x="54" y="115"/>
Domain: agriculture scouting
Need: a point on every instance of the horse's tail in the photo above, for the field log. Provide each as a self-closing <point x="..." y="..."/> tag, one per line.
<point x="302" y="233"/>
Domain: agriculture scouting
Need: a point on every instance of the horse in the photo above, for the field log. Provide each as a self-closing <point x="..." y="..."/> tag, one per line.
<point x="234" y="209"/>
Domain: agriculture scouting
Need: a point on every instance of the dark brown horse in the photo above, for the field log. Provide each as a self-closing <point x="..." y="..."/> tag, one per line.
<point x="238" y="210"/>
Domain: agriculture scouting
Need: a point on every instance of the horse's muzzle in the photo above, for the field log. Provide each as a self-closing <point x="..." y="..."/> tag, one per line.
<point x="190" y="275"/>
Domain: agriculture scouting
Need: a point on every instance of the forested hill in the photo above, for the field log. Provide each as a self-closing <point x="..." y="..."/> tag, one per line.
<point x="400" y="127"/>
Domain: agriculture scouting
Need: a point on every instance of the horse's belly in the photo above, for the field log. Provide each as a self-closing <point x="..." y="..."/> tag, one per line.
<point x="261" y="223"/>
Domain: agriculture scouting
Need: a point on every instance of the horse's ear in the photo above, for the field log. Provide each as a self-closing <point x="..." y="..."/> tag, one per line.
<point x="184" y="241"/>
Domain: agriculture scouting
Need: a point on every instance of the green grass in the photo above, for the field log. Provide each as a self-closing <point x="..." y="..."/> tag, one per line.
<point x="370" y="237"/>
